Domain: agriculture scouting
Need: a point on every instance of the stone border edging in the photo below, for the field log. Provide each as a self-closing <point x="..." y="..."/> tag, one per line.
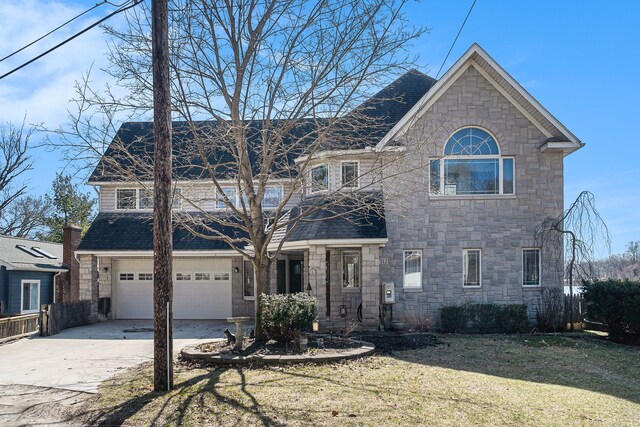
<point x="191" y="353"/>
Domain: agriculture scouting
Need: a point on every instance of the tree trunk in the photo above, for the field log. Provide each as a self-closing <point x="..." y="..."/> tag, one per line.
<point x="262" y="267"/>
<point x="162" y="227"/>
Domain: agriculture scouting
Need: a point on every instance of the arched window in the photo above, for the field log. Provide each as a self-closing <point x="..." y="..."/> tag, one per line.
<point x="471" y="165"/>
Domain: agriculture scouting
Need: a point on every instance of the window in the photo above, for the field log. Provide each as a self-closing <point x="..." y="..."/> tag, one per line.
<point x="350" y="269"/>
<point x="221" y="276"/>
<point x="126" y="198"/>
<point x="471" y="268"/>
<point x="350" y="174"/>
<point x="203" y="276"/>
<point x="176" y="201"/>
<point x="231" y="194"/>
<point x="30" y="296"/>
<point x="412" y="269"/>
<point x="145" y="198"/>
<point x="145" y="276"/>
<point x="183" y="276"/>
<point x="127" y="276"/>
<point x="319" y="178"/>
<point x="531" y="267"/>
<point x="471" y="165"/>
<point x="248" y="284"/>
<point x="272" y="197"/>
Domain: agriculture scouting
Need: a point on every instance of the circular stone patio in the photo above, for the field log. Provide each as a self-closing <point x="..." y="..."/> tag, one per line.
<point x="193" y="354"/>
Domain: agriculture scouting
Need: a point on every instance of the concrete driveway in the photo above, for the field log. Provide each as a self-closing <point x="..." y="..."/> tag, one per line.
<point x="79" y="359"/>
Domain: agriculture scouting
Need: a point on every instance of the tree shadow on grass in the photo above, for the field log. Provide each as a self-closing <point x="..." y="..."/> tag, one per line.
<point x="187" y="394"/>
<point x="575" y="360"/>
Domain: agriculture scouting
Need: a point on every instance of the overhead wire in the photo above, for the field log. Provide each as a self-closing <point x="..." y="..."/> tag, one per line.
<point x="67" y="40"/>
<point x="54" y="30"/>
<point x="456" y="39"/>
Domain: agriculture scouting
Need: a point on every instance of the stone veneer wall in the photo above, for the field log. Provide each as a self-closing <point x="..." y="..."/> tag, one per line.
<point x="241" y="306"/>
<point x="442" y="227"/>
<point x="89" y="282"/>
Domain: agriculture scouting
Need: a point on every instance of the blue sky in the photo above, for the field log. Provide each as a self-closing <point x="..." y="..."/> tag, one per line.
<point x="580" y="59"/>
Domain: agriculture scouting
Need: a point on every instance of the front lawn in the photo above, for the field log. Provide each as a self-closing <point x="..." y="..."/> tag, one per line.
<point x="467" y="379"/>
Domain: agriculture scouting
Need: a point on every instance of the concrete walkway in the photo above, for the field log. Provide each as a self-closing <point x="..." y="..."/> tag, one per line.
<point x="79" y="359"/>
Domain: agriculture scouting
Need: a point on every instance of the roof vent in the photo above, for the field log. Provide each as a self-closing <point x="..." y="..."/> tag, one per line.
<point x="29" y="251"/>
<point x="43" y="252"/>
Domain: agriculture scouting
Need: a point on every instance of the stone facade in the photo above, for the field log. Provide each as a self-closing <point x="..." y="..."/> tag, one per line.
<point x="241" y="305"/>
<point x="89" y="282"/>
<point x="442" y="226"/>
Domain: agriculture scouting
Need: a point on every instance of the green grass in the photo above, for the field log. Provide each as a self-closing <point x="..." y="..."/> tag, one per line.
<point x="469" y="379"/>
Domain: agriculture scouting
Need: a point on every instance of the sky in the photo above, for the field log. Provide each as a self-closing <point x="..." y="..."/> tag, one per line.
<point x="579" y="59"/>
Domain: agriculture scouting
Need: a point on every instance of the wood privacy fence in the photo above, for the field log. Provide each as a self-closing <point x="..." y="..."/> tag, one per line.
<point x="579" y="308"/>
<point x="60" y="316"/>
<point x="17" y="326"/>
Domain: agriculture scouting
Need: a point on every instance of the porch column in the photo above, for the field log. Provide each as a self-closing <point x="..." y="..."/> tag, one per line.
<point x="370" y="285"/>
<point x="89" y="282"/>
<point x="316" y="276"/>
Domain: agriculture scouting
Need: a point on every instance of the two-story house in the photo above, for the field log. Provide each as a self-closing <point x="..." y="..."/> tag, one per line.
<point x="481" y="166"/>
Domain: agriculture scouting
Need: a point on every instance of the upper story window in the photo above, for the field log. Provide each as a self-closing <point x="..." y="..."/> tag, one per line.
<point x="350" y="173"/>
<point x="232" y="195"/>
<point x="272" y="197"/>
<point x="145" y="199"/>
<point x="319" y="178"/>
<point x="126" y="198"/>
<point x="471" y="165"/>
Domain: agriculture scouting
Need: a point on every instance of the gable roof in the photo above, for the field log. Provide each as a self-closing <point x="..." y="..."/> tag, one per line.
<point x="28" y="258"/>
<point x="386" y="108"/>
<point x="475" y="56"/>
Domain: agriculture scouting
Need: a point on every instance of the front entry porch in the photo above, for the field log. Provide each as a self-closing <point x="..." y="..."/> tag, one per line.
<point x="344" y="279"/>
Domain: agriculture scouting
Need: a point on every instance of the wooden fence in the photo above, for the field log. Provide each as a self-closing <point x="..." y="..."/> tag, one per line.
<point x="579" y="305"/>
<point x="60" y="316"/>
<point x="17" y="326"/>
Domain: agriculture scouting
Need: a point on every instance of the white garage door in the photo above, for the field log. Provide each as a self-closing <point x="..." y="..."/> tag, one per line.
<point x="201" y="288"/>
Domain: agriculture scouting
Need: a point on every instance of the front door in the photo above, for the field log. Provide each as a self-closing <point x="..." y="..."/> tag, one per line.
<point x="295" y="276"/>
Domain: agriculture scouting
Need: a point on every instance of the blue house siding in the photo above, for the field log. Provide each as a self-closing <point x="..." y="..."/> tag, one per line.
<point x="14" y="281"/>
<point x="3" y="290"/>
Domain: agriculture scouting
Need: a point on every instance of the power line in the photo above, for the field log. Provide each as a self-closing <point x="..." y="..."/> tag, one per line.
<point x="122" y="9"/>
<point x="455" y="40"/>
<point x="53" y="31"/>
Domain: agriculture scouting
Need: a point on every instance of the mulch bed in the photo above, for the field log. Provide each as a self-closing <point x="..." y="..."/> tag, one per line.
<point x="251" y="346"/>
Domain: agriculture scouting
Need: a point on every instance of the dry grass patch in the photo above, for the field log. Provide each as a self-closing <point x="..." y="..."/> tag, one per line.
<point x="492" y="380"/>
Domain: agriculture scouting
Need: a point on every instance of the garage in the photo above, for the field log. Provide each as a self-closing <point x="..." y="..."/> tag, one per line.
<point x="201" y="288"/>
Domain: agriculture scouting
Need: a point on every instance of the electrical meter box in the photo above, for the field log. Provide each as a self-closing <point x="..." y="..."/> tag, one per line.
<point x="389" y="293"/>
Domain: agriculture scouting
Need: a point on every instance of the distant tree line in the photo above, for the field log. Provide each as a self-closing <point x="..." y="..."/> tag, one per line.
<point x="620" y="266"/>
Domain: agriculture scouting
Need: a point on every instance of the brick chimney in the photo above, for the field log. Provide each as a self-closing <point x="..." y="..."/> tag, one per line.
<point x="71" y="236"/>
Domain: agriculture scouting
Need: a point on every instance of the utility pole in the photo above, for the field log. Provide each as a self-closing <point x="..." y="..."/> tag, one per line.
<point x="162" y="200"/>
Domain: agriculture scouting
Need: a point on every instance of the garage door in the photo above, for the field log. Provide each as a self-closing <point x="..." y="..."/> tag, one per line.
<point x="201" y="288"/>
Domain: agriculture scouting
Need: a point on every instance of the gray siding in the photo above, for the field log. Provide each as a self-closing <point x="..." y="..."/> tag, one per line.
<point x="501" y="225"/>
<point x="3" y="290"/>
<point x="14" y="288"/>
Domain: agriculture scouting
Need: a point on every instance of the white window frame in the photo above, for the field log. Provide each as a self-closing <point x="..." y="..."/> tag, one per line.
<point x="184" y="276"/>
<point x="235" y="201"/>
<point x="245" y="296"/>
<point x="499" y="157"/>
<point x="357" y="181"/>
<point x="30" y="282"/>
<point x="136" y="201"/>
<point x="342" y="264"/>
<point x="465" y="251"/>
<point x="139" y="197"/>
<point x="539" y="267"/>
<point x="404" y="269"/>
<point x="278" y="186"/>
<point x="219" y="276"/>
<point x="311" y="190"/>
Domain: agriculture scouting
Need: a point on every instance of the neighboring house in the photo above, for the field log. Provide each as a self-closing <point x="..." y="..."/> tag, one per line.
<point x="486" y="167"/>
<point x="28" y="273"/>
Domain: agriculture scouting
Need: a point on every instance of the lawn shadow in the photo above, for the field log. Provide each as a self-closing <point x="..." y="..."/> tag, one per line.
<point x="575" y="360"/>
<point x="187" y="393"/>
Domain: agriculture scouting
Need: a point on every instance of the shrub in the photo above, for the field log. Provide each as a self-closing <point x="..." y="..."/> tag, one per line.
<point x="285" y="317"/>
<point x="550" y="314"/>
<point x="615" y="303"/>
<point x="484" y="318"/>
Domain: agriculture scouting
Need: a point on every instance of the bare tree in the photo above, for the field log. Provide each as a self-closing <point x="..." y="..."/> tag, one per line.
<point x="26" y="217"/>
<point x="583" y="234"/>
<point x="263" y="88"/>
<point x="633" y="249"/>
